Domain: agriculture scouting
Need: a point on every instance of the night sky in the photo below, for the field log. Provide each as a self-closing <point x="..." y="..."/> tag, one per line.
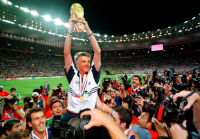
<point x="113" y="17"/>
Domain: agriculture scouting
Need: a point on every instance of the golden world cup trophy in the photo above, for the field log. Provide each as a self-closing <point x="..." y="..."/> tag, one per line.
<point x="78" y="12"/>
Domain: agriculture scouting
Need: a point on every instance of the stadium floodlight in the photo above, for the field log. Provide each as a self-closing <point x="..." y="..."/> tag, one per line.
<point x="34" y="13"/>
<point x="193" y="18"/>
<point x="58" y="21"/>
<point x="16" y="6"/>
<point x="24" y="9"/>
<point x="5" y="1"/>
<point x="47" y="17"/>
<point x="9" y="3"/>
<point x="185" y="21"/>
<point x="112" y="35"/>
<point x="105" y="35"/>
<point x="66" y="25"/>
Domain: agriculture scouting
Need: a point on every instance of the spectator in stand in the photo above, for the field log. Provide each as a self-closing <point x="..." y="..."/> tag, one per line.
<point x="11" y="126"/>
<point x="16" y="96"/>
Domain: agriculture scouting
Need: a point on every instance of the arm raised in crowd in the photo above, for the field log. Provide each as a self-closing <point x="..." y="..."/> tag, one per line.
<point x="67" y="46"/>
<point x="99" y="118"/>
<point x="94" y="43"/>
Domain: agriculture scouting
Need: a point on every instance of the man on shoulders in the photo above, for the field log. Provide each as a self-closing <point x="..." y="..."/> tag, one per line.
<point x="83" y="83"/>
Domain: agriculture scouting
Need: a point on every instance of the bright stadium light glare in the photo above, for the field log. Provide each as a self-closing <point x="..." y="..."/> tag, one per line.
<point x="34" y="13"/>
<point x="66" y="25"/>
<point x="24" y="9"/>
<point x="47" y="18"/>
<point x="193" y="18"/>
<point x="16" y="6"/>
<point x="58" y="21"/>
<point x="5" y="1"/>
<point x="105" y="35"/>
<point x="9" y="3"/>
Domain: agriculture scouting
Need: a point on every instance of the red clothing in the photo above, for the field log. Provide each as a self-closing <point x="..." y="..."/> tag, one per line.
<point x="116" y="84"/>
<point x="47" y="111"/>
<point x="135" y="120"/>
<point x="11" y="114"/>
<point x="130" y="91"/>
<point x="4" y="93"/>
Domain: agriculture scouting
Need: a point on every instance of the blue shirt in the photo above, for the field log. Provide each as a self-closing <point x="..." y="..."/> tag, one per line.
<point x="118" y="101"/>
<point x="141" y="132"/>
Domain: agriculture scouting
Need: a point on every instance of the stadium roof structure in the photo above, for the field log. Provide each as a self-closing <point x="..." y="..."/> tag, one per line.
<point x="22" y="23"/>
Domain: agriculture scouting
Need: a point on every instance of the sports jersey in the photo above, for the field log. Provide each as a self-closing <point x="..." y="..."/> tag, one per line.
<point x="126" y="133"/>
<point x="4" y="93"/>
<point x="11" y="114"/>
<point x="132" y="91"/>
<point x="47" y="134"/>
<point x="17" y="101"/>
<point x="90" y="81"/>
<point x="40" y="103"/>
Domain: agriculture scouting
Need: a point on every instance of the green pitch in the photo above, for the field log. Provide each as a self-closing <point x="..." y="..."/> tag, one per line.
<point x="26" y="87"/>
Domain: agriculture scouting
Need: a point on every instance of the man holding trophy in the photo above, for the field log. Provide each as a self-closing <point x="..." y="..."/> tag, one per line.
<point x="83" y="83"/>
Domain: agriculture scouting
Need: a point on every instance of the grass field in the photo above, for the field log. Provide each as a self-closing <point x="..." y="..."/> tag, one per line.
<point x="26" y="87"/>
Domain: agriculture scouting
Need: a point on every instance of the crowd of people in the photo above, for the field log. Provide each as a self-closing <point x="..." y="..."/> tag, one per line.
<point x="157" y="108"/>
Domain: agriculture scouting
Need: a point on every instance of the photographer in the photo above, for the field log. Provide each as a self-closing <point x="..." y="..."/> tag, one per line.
<point x="135" y="85"/>
<point x="62" y="96"/>
<point x="11" y="126"/>
<point x="16" y="96"/>
<point x="38" y="102"/>
<point x="83" y="84"/>
<point x="116" y="95"/>
<point x="36" y="122"/>
<point x="11" y="111"/>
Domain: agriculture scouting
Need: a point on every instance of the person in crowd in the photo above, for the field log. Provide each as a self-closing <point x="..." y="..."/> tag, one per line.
<point x="116" y="95"/>
<point x="3" y="93"/>
<point x="38" y="102"/>
<point x="98" y="118"/>
<point x="11" y="111"/>
<point x="110" y="103"/>
<point x="19" y="135"/>
<point x="26" y="100"/>
<point x="115" y="83"/>
<point x="123" y="118"/>
<point x="83" y="84"/>
<point x="16" y="96"/>
<point x="11" y="126"/>
<point x="46" y="87"/>
<point x="36" y="122"/>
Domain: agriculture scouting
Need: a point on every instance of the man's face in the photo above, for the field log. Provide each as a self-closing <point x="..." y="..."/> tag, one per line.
<point x="116" y="119"/>
<point x="35" y="99"/>
<point x="135" y="82"/>
<point x="1" y="89"/>
<point x="13" y="92"/>
<point x="57" y="108"/>
<point x="112" y="104"/>
<point x="113" y="94"/>
<point x="38" y="122"/>
<point x="16" y="127"/>
<point x="83" y="64"/>
<point x="125" y="105"/>
<point x="143" y="119"/>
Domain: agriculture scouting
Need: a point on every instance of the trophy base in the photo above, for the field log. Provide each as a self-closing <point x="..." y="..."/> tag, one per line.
<point x="79" y="27"/>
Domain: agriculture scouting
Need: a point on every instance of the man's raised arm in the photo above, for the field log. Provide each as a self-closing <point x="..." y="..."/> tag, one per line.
<point x="67" y="46"/>
<point x="94" y="43"/>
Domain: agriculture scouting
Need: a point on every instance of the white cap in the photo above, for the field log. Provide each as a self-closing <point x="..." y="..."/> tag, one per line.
<point x="35" y="94"/>
<point x="1" y="86"/>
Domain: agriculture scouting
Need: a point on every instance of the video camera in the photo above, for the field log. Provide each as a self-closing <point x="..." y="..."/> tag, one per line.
<point x="105" y="84"/>
<point x="125" y="81"/>
<point x="57" y="91"/>
<point x="141" y="93"/>
<point x="167" y="111"/>
<point x="62" y="130"/>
